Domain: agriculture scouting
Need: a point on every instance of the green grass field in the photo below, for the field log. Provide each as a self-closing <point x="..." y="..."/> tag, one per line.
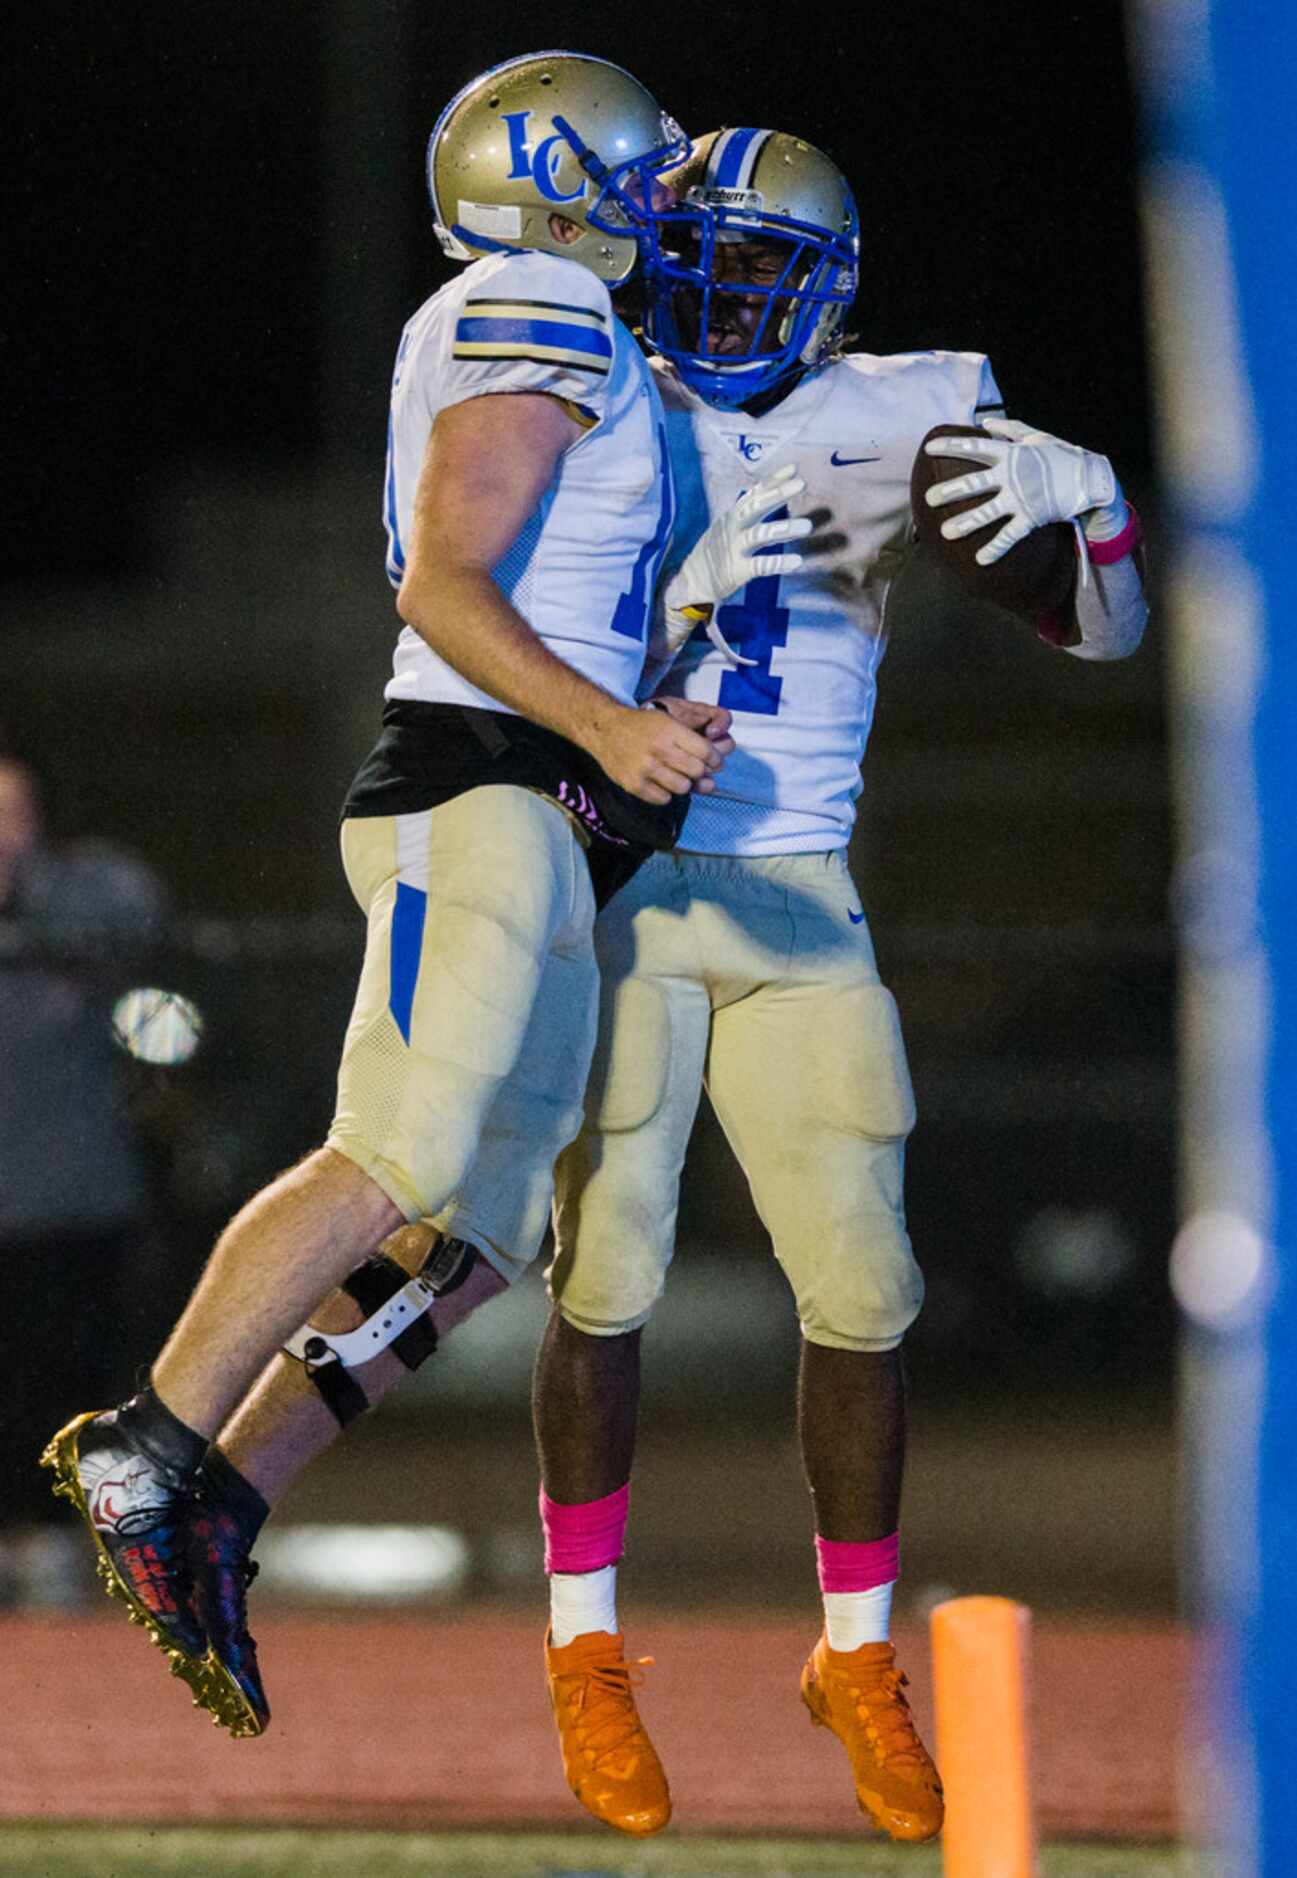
<point x="161" y="1852"/>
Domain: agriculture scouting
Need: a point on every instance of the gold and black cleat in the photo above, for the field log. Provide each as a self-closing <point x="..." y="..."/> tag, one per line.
<point x="222" y="1571"/>
<point x="227" y="1703"/>
<point x="141" y="1552"/>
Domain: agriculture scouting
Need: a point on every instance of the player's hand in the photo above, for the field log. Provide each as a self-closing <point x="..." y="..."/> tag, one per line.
<point x="1031" y="479"/>
<point x="709" y="720"/>
<point x="654" y="756"/>
<point x="739" y="546"/>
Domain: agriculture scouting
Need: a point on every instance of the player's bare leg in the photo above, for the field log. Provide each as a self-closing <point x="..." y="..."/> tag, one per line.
<point x="131" y="1472"/>
<point x="270" y="1267"/>
<point x="852" y="1424"/>
<point x="283" y="1422"/>
<point x="585" y="1405"/>
<point x="279" y="1427"/>
<point x="585" y="1401"/>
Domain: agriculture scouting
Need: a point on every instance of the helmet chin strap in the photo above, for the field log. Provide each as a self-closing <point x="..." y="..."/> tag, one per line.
<point x="484" y="242"/>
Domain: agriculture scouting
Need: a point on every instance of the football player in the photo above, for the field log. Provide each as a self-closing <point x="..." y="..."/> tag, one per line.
<point x="528" y="501"/>
<point x="743" y="961"/>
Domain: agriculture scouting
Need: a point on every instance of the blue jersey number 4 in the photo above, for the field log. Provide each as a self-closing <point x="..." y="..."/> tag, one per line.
<point x="754" y="624"/>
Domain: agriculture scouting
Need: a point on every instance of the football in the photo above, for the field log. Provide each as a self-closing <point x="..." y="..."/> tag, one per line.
<point x="1033" y="579"/>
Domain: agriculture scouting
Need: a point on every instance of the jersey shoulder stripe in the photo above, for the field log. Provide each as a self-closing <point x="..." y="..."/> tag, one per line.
<point x="561" y="342"/>
<point x="523" y="308"/>
<point x="536" y="355"/>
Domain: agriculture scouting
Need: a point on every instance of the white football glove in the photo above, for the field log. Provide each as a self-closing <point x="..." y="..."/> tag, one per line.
<point x="1035" y="478"/>
<point x="723" y="560"/>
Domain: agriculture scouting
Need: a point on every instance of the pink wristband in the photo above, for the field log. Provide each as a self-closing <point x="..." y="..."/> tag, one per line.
<point x="1104" y="553"/>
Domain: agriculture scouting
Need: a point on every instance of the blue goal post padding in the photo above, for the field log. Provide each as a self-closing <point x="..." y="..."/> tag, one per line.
<point x="1220" y="185"/>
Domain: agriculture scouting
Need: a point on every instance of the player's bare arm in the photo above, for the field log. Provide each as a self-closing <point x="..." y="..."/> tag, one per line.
<point x="488" y="464"/>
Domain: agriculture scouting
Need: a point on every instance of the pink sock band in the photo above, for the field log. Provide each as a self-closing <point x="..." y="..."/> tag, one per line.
<point x="846" y="1567"/>
<point x="587" y="1537"/>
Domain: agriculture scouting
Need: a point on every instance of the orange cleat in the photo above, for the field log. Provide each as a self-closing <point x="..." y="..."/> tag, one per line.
<point x="860" y="1695"/>
<point x="610" y="1763"/>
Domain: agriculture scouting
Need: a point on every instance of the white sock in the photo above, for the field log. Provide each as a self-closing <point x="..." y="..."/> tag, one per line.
<point x="855" y="1617"/>
<point x="580" y="1602"/>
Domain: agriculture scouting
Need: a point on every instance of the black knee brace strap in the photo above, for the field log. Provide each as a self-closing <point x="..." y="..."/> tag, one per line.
<point x="397" y="1317"/>
<point x="373" y="1285"/>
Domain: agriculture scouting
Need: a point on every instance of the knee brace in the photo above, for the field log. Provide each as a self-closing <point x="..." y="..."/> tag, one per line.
<point x="396" y="1316"/>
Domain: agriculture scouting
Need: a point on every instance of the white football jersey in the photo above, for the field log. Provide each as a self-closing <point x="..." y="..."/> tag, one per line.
<point x="802" y="712"/>
<point x="582" y="570"/>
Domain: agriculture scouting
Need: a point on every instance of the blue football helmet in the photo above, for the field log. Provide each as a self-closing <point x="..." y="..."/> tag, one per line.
<point x="750" y="277"/>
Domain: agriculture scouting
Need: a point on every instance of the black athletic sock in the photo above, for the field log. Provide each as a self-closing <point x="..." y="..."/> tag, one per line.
<point x="225" y="1486"/>
<point x="175" y="1448"/>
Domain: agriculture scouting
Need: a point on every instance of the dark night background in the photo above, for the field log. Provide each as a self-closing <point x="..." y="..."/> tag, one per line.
<point x="219" y="226"/>
<point x="199" y="188"/>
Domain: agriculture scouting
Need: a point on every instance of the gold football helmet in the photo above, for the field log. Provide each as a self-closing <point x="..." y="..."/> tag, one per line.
<point x="551" y="132"/>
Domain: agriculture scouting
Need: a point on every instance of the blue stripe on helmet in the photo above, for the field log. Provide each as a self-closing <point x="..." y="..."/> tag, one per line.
<point x="730" y="167"/>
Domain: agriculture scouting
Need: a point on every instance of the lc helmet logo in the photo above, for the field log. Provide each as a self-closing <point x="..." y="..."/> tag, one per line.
<point x="541" y="164"/>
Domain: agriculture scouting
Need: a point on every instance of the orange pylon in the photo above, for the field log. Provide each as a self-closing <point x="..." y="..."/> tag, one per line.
<point x="980" y="1651"/>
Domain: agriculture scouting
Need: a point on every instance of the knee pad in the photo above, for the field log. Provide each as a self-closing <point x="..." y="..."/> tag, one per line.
<point x="606" y="1297"/>
<point x="858" y="1300"/>
<point x="396" y="1316"/>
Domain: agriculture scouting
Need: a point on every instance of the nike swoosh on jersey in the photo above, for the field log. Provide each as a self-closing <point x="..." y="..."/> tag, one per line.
<point x="842" y="462"/>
